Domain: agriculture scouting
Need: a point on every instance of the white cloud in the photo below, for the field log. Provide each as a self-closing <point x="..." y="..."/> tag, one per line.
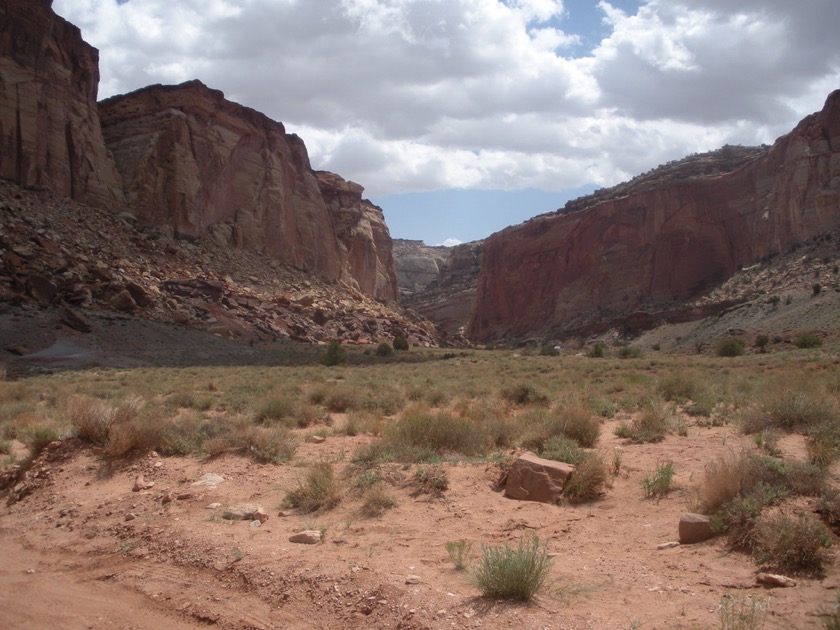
<point x="412" y="95"/>
<point x="450" y="242"/>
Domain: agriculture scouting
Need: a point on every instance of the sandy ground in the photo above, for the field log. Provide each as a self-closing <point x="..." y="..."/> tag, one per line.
<point x="83" y="550"/>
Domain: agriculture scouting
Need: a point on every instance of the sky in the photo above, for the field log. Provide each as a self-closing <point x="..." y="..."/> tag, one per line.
<point x="461" y="117"/>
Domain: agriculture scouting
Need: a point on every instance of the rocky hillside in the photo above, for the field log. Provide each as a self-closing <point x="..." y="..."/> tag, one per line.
<point x="182" y="158"/>
<point x="82" y="261"/>
<point x="643" y="252"/>
<point x="439" y="282"/>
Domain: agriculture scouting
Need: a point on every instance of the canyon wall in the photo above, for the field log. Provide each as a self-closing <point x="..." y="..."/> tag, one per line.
<point x="650" y="250"/>
<point x="180" y="157"/>
<point x="49" y="130"/>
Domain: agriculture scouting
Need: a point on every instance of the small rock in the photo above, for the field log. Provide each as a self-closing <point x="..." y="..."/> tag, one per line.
<point x="315" y="439"/>
<point x="772" y="579"/>
<point x="142" y="484"/>
<point x="209" y="480"/>
<point x="130" y="517"/>
<point x="184" y="496"/>
<point x="285" y="513"/>
<point x="260" y="515"/>
<point x="214" y="506"/>
<point x="695" y="528"/>
<point x="75" y="321"/>
<point x="255" y="523"/>
<point x="306" y="537"/>
<point x="244" y="512"/>
<point x="167" y="498"/>
<point x="668" y="545"/>
<point x="412" y="579"/>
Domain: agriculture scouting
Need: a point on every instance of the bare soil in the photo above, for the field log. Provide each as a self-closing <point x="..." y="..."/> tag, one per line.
<point x="83" y="550"/>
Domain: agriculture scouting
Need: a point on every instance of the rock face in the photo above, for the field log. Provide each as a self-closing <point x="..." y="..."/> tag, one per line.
<point x="363" y="236"/>
<point x="49" y="129"/>
<point x="439" y="282"/>
<point x="532" y="478"/>
<point x="651" y="249"/>
<point x="197" y="163"/>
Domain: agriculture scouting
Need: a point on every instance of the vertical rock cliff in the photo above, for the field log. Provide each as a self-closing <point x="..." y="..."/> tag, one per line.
<point x="196" y="162"/>
<point x="49" y="129"/>
<point x="651" y="249"/>
<point x="364" y="238"/>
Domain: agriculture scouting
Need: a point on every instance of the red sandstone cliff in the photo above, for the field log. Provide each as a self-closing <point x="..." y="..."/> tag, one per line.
<point x="196" y="162"/>
<point x="363" y="236"/>
<point x="49" y="129"/>
<point x="651" y="249"/>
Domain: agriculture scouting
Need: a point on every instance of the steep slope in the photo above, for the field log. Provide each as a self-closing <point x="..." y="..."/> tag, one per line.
<point x="49" y="128"/>
<point x="657" y="247"/>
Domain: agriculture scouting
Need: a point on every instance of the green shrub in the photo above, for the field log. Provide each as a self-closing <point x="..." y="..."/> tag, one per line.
<point x="730" y="347"/>
<point x="437" y="432"/>
<point x="400" y="343"/>
<point x="549" y="351"/>
<point x="789" y="409"/>
<point x="513" y="573"/>
<point x="37" y="437"/>
<point x="679" y="387"/>
<point x="660" y="482"/>
<point x="275" y="409"/>
<point x="319" y="490"/>
<point x="629" y="353"/>
<point x="794" y="544"/>
<point x="762" y="341"/>
<point x="336" y="353"/>
<point x="384" y="350"/>
<point x="597" y="351"/>
<point x="807" y="340"/>
<point x="588" y="480"/>
<point x="459" y="552"/>
<point x="578" y="423"/>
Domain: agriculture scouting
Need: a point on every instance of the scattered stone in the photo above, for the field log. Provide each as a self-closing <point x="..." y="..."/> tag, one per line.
<point x="16" y="348"/>
<point x="668" y="545"/>
<point x="214" y="506"/>
<point x="315" y="439"/>
<point x="130" y="517"/>
<point x="532" y="478"/>
<point x="184" y="496"/>
<point x="773" y="579"/>
<point x="209" y="480"/>
<point x="306" y="537"/>
<point x="413" y="579"/>
<point x="260" y="515"/>
<point x="243" y="512"/>
<point x="167" y="498"/>
<point x="255" y="523"/>
<point x="75" y="321"/>
<point x="142" y="484"/>
<point x="695" y="528"/>
<point x="123" y="301"/>
<point x="285" y="513"/>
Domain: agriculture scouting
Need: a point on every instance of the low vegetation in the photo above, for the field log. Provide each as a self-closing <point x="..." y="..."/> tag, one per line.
<point x="516" y="573"/>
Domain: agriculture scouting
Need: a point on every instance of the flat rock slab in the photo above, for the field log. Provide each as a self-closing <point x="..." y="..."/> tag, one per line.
<point x="209" y="480"/>
<point x="773" y="579"/>
<point x="532" y="478"/>
<point x="245" y="512"/>
<point x="306" y="537"/>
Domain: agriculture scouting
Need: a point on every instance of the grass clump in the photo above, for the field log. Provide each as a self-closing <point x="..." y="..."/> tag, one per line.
<point x="660" y="482"/>
<point x="597" y="351"/>
<point x="120" y="430"/>
<point x="521" y="395"/>
<point x="319" y="490"/>
<point x="650" y="424"/>
<point x="432" y="480"/>
<point x="789" y="409"/>
<point x="459" y="552"/>
<point x="513" y="572"/>
<point x="376" y="500"/>
<point x="747" y="613"/>
<point x="588" y="480"/>
<point x="794" y="544"/>
<point x="562" y="449"/>
<point x="400" y="343"/>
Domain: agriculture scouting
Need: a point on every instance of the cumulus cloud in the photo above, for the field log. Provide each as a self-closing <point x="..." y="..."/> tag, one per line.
<point x="414" y="95"/>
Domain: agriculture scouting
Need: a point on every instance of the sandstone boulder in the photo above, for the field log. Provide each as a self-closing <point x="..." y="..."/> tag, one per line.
<point x="532" y="478"/>
<point x="695" y="528"/>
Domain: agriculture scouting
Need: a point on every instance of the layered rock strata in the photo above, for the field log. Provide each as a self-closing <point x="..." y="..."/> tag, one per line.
<point x="654" y="249"/>
<point x="49" y="129"/>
